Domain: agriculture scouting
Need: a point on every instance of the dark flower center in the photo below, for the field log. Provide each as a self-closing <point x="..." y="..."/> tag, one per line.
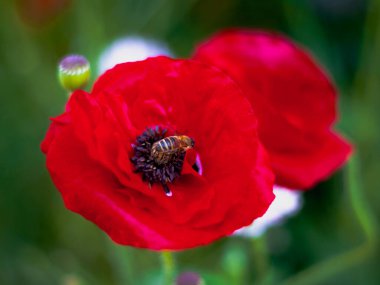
<point x="161" y="162"/>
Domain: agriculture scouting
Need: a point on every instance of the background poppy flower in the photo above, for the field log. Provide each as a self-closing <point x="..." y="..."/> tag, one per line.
<point x="131" y="48"/>
<point x="89" y="148"/>
<point x="286" y="204"/>
<point x="294" y="99"/>
<point x="41" y="12"/>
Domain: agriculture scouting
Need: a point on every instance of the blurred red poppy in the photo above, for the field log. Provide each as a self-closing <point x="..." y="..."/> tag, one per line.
<point x="89" y="150"/>
<point x="293" y="98"/>
<point x="40" y="12"/>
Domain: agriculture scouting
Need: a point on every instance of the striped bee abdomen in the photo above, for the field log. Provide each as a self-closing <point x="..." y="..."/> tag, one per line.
<point x="164" y="149"/>
<point x="158" y="158"/>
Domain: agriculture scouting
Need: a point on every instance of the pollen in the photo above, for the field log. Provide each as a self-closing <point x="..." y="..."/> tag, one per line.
<point x="146" y="164"/>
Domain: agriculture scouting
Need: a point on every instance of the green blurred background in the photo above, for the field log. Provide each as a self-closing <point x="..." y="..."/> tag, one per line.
<point x="333" y="240"/>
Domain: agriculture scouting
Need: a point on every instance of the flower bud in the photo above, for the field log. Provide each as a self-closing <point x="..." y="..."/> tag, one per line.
<point x="189" y="278"/>
<point x="74" y="72"/>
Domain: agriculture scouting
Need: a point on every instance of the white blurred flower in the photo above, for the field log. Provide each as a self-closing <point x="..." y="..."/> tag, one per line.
<point x="128" y="49"/>
<point x="287" y="203"/>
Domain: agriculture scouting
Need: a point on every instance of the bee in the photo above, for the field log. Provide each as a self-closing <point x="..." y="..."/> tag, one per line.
<point x="163" y="150"/>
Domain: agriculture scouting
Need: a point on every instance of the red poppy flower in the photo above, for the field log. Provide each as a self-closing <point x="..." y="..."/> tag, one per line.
<point x="293" y="98"/>
<point x="99" y="150"/>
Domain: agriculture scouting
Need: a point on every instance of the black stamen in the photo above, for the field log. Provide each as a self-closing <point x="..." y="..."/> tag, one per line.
<point x="167" y="190"/>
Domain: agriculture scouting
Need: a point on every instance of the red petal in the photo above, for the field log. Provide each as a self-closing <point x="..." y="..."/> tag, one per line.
<point x="89" y="157"/>
<point x="294" y="100"/>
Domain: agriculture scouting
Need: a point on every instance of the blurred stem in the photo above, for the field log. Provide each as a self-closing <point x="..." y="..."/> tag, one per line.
<point x="362" y="209"/>
<point x="168" y="267"/>
<point x="366" y="80"/>
<point x="261" y="259"/>
<point x="316" y="274"/>
<point x="328" y="268"/>
<point x="121" y="261"/>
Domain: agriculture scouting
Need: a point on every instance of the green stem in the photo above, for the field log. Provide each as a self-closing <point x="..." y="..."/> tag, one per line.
<point x="168" y="267"/>
<point x="121" y="261"/>
<point x="330" y="267"/>
<point x="261" y="258"/>
<point x="316" y="274"/>
<point x="366" y="79"/>
<point x="361" y="208"/>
